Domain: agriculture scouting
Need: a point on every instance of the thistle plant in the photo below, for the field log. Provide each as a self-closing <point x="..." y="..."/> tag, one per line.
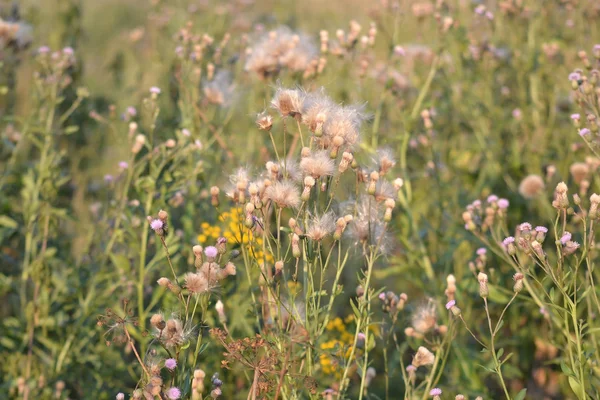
<point x="252" y="200"/>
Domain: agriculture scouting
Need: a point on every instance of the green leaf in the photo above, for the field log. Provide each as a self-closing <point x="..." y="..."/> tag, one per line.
<point x="575" y="385"/>
<point x="500" y="353"/>
<point x="497" y="296"/>
<point x="521" y="394"/>
<point x="8" y="222"/>
<point x="120" y="261"/>
<point x="71" y="129"/>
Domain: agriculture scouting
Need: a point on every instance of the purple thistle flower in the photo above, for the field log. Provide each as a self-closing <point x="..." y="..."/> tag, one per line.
<point x="565" y="238"/>
<point x="481" y="251"/>
<point x="68" y="51"/>
<point x="155" y="90"/>
<point x="44" y="50"/>
<point x="156" y="225"/>
<point x="542" y="229"/>
<point x="123" y="165"/>
<point x="492" y="198"/>
<point x="211" y="251"/>
<point x="382" y="296"/>
<point x="120" y="396"/>
<point x="185" y="132"/>
<point x="574" y="76"/>
<point x="597" y="47"/>
<point x="525" y="226"/>
<point x="575" y="117"/>
<point x="503" y="204"/>
<point x="411" y="368"/>
<point x="450" y="304"/>
<point x="435" y="392"/>
<point x="170" y="363"/>
<point x="508" y="241"/>
<point x="361" y="336"/>
<point x="516" y="113"/>
<point x="131" y="111"/>
<point x="584" y="132"/>
<point x="173" y="393"/>
<point x="108" y="178"/>
<point x="477" y="203"/>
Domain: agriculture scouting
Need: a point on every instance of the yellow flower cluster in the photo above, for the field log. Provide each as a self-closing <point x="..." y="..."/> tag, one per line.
<point x="231" y="227"/>
<point x="338" y="348"/>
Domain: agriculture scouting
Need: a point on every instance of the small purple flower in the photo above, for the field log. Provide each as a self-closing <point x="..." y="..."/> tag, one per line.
<point x="575" y="117"/>
<point x="173" y="393"/>
<point x="450" y="304"/>
<point x="597" y="47"/>
<point x="155" y="90"/>
<point x="185" y="132"/>
<point x="584" y="132"/>
<point x="492" y="198"/>
<point x="508" y="240"/>
<point x="156" y="225"/>
<point x="198" y="144"/>
<point x="211" y="252"/>
<point x="525" y="226"/>
<point x="477" y="203"/>
<point x="170" y="363"/>
<point x="399" y="51"/>
<point x="108" y="178"/>
<point x="123" y="165"/>
<point x="131" y="111"/>
<point x="503" y="204"/>
<point x="565" y="238"/>
<point x="361" y="336"/>
<point x="120" y="396"/>
<point x="411" y="368"/>
<point x="542" y="229"/>
<point x="516" y="113"/>
<point x="382" y="296"/>
<point x="435" y="392"/>
<point x="574" y="76"/>
<point x="480" y="9"/>
<point x="482" y="251"/>
<point x="44" y="50"/>
<point x="489" y="15"/>
<point x="68" y="51"/>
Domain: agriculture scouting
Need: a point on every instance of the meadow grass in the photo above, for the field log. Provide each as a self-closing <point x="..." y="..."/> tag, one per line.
<point x="290" y="200"/>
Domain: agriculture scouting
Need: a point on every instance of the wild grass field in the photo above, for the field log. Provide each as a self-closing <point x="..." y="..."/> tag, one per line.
<point x="255" y="199"/>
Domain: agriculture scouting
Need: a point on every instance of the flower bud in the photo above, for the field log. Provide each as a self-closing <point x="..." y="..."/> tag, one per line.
<point x="214" y="194"/>
<point x="484" y="290"/>
<point x="296" y="246"/>
<point x="518" y="278"/>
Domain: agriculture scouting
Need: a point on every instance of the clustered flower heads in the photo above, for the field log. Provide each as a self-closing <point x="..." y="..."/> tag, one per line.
<point x="279" y="49"/>
<point x="586" y="85"/>
<point x="290" y="184"/>
<point x="336" y="128"/>
<point x="480" y="216"/>
<point x="392" y="303"/>
<point x="529" y="240"/>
